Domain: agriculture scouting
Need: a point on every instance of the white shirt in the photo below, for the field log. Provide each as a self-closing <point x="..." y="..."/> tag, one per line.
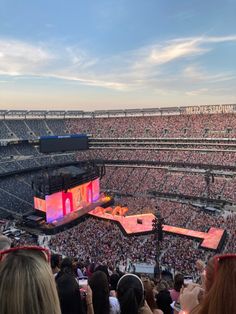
<point x="114" y="305"/>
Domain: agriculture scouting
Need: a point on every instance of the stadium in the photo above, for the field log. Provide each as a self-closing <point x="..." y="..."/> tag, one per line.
<point x="117" y="157"/>
<point x="179" y="163"/>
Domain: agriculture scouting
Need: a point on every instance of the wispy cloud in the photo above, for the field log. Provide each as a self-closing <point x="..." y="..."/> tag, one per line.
<point x="179" y="48"/>
<point x="145" y="67"/>
<point x="90" y="82"/>
<point x="175" y="50"/>
<point x="78" y="57"/>
<point x="218" y="39"/>
<point x="19" y="58"/>
<point x="197" y="92"/>
<point x="196" y="74"/>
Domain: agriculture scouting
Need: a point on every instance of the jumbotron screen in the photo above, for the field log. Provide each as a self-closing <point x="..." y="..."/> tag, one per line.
<point x="59" y="204"/>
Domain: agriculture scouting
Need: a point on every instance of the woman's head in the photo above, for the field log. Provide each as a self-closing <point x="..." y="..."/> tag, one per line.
<point x="67" y="265"/>
<point x="114" y="278"/>
<point x="98" y="282"/>
<point x="149" y="293"/>
<point x="55" y="263"/>
<point x="178" y="282"/>
<point x="69" y="293"/>
<point x="27" y="284"/>
<point x="104" y="269"/>
<point x="220" y="285"/>
<point x="130" y="293"/>
<point x="162" y="285"/>
<point x="209" y="275"/>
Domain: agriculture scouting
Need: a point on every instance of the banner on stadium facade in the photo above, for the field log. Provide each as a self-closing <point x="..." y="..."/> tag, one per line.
<point x="209" y="109"/>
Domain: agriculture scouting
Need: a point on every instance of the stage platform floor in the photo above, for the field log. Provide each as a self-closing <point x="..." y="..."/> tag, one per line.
<point x="138" y="224"/>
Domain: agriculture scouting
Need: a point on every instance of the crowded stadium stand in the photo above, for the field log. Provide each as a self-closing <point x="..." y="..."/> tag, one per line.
<point x="180" y="161"/>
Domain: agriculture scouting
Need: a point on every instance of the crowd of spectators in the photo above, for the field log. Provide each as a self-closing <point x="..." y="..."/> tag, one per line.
<point x="103" y="241"/>
<point x="167" y="126"/>
<point x="27" y="278"/>
<point x="172" y="126"/>
<point x="226" y="158"/>
<point x="132" y="180"/>
<point x="101" y="245"/>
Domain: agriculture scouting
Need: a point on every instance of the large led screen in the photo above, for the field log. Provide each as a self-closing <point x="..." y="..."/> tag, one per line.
<point x="40" y="204"/>
<point x="59" y="204"/>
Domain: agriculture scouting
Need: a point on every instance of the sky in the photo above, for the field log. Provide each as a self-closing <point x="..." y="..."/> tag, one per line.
<point x="116" y="54"/>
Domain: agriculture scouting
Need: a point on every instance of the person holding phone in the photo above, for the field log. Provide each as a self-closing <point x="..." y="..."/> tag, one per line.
<point x="218" y="294"/>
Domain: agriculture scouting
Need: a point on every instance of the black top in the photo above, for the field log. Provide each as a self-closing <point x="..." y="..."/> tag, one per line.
<point x="69" y="294"/>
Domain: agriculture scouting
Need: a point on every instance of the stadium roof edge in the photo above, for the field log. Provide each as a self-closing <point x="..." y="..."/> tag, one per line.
<point x="37" y="112"/>
<point x="12" y="112"/>
<point x="225" y="108"/>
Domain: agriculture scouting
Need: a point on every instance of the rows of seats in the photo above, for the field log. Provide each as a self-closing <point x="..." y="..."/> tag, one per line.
<point x="29" y="129"/>
<point x="140" y="180"/>
<point x="22" y="156"/>
<point x="188" y="126"/>
<point x="16" y="194"/>
<point x="191" y="157"/>
<point x="213" y="126"/>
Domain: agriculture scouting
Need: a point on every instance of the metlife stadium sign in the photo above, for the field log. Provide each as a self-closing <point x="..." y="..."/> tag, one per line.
<point x="210" y="109"/>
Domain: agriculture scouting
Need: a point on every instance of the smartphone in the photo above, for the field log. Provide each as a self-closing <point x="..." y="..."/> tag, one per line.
<point x="176" y="306"/>
<point x="188" y="280"/>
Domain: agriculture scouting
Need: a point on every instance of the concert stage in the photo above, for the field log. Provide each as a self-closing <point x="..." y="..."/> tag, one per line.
<point x="37" y="219"/>
<point x="62" y="196"/>
<point x="141" y="224"/>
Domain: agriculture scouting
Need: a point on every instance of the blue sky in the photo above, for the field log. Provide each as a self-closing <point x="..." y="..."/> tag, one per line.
<point x="106" y="54"/>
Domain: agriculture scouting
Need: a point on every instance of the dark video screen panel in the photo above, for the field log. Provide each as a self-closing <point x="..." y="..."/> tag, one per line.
<point x="53" y="144"/>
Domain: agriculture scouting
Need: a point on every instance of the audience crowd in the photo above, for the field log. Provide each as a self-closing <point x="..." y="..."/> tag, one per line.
<point x="82" y="284"/>
<point x="128" y="179"/>
<point x="169" y="126"/>
<point x="92" y="262"/>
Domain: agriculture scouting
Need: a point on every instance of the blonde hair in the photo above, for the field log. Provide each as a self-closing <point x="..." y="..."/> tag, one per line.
<point x="220" y="286"/>
<point x="5" y="243"/>
<point x="27" y="285"/>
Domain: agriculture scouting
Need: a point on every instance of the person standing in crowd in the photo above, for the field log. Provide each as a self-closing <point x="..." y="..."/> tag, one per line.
<point x="163" y="298"/>
<point x="157" y="270"/>
<point x="149" y="295"/>
<point x="68" y="289"/>
<point x="103" y="303"/>
<point x="178" y="284"/>
<point x="27" y="285"/>
<point x="130" y="293"/>
<point x="79" y="268"/>
<point x="114" y="278"/>
<point x="219" y="285"/>
<point x="55" y="264"/>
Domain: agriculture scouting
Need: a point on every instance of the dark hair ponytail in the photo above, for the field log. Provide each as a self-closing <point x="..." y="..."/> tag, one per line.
<point x="128" y="302"/>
